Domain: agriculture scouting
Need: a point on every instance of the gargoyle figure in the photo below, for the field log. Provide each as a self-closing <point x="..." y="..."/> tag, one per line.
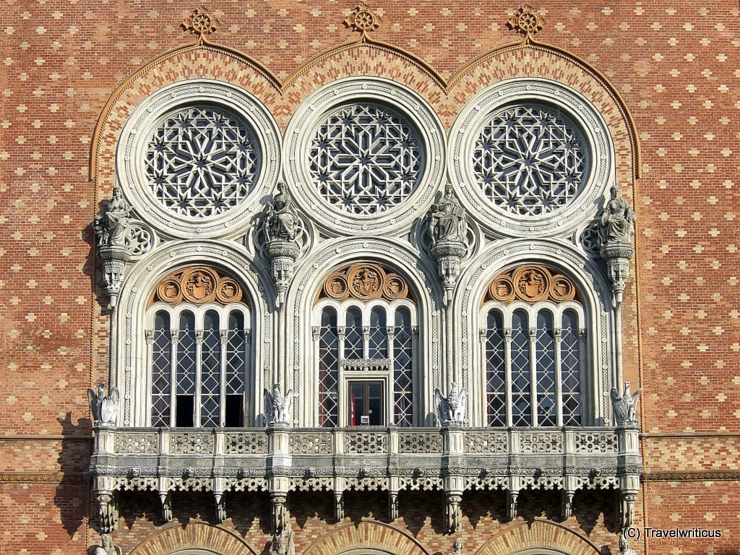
<point x="453" y="408"/>
<point x="103" y="408"/>
<point x="278" y="408"/>
<point x="624" y="406"/>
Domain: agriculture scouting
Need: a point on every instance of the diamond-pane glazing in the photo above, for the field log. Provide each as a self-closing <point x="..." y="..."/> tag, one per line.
<point x="378" y="334"/>
<point x="328" y="369"/>
<point x="353" y="338"/>
<point x="235" y="354"/>
<point x="365" y="159"/>
<point x="545" y="357"/>
<point x="161" y="370"/>
<point x="529" y="160"/>
<point x="403" y="394"/>
<point x="495" y="370"/>
<point x="521" y="406"/>
<point x="570" y="368"/>
<point x="210" y="372"/>
<point x="201" y="162"/>
<point x="186" y="355"/>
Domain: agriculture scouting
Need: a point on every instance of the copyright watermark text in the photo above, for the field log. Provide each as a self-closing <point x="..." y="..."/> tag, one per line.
<point x="634" y="533"/>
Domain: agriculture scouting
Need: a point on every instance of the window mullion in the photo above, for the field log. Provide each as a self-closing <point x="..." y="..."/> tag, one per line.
<point x="198" y="366"/>
<point x="224" y="336"/>
<point x="174" y="338"/>
<point x="557" y="332"/>
<point x="507" y="377"/>
<point x="149" y="338"/>
<point x="341" y="407"/>
<point x="534" y="404"/>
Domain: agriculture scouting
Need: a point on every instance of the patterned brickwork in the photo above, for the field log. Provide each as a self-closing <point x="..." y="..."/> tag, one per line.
<point x="675" y="66"/>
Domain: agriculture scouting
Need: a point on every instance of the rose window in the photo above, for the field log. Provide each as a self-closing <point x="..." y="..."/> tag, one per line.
<point x="201" y="162"/>
<point x="530" y="160"/>
<point x="364" y="159"/>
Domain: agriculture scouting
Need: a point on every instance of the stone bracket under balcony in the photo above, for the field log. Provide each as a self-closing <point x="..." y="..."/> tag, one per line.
<point x="454" y="460"/>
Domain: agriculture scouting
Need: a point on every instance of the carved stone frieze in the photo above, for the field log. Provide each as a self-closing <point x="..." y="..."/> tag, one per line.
<point x="531" y="283"/>
<point x="198" y="285"/>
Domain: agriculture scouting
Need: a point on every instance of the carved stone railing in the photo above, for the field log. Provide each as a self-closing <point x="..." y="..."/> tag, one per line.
<point x="279" y="459"/>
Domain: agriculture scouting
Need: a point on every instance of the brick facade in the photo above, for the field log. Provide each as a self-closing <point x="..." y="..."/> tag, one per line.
<point x="74" y="71"/>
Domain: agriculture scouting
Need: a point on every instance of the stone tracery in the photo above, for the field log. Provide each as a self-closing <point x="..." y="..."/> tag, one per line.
<point x="201" y="162"/>
<point x="529" y="160"/>
<point x="365" y="159"/>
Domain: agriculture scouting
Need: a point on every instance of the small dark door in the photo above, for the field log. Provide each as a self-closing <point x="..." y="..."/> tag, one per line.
<point x="366" y="403"/>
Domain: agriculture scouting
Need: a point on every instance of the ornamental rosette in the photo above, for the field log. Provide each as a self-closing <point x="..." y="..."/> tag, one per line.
<point x="363" y="19"/>
<point x="526" y="21"/>
<point x="202" y="21"/>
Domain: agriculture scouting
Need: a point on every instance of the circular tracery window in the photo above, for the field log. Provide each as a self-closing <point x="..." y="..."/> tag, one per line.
<point x="529" y="160"/>
<point x="201" y="162"/>
<point x="365" y="159"/>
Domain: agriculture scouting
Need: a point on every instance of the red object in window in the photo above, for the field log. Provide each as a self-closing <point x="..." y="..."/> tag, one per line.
<point x="352" y="410"/>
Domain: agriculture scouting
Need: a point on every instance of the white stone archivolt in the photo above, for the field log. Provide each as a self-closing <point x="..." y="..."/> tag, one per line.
<point x="364" y="154"/>
<point x="531" y="158"/>
<point x="195" y="158"/>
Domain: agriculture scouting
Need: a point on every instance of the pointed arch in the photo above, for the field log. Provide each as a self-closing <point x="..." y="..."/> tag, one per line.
<point x="368" y="43"/>
<point x="370" y="535"/>
<point x="542" y="536"/>
<point x="111" y="112"/>
<point x="195" y="537"/>
<point x="529" y="50"/>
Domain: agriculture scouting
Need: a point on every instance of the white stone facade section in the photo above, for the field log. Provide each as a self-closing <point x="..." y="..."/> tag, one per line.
<point x="196" y="157"/>
<point x="378" y="169"/>
<point x="536" y="200"/>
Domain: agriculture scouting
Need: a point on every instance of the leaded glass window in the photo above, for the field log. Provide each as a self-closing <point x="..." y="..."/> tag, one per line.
<point x="201" y="161"/>
<point x="366" y="334"/>
<point x="365" y="159"/>
<point x="530" y="160"/>
<point x="198" y="350"/>
<point x="533" y="348"/>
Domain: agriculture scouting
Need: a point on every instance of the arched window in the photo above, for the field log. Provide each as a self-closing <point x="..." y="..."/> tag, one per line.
<point x="198" y="350"/>
<point x="365" y="335"/>
<point x="533" y="349"/>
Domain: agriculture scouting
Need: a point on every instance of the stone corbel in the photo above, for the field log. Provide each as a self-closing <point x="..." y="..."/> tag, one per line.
<point x="511" y="504"/>
<point x="566" y="508"/>
<point x="339" y="506"/>
<point x="616" y="226"/>
<point x="627" y="509"/>
<point x="220" y="507"/>
<point x="453" y="512"/>
<point x="282" y="230"/>
<point x="107" y="510"/>
<point x="392" y="505"/>
<point x="448" y="227"/>
<point x="165" y="498"/>
<point x="279" y="511"/>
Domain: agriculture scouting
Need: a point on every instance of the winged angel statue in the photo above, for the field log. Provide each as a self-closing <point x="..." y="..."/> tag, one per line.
<point x="277" y="407"/>
<point x="453" y="408"/>
<point x="624" y="406"/>
<point x="104" y="408"/>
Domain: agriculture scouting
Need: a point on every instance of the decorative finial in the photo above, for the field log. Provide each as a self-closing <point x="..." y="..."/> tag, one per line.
<point x="526" y="21"/>
<point x="363" y="19"/>
<point x="202" y="22"/>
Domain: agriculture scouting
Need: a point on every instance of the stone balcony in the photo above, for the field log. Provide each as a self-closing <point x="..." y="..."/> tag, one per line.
<point x="281" y="459"/>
